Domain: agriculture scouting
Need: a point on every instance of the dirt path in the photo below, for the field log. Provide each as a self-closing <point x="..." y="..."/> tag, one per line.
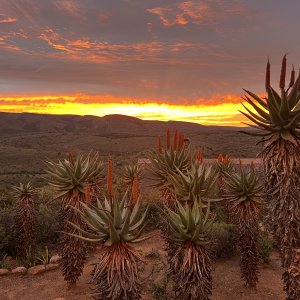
<point x="226" y="280"/>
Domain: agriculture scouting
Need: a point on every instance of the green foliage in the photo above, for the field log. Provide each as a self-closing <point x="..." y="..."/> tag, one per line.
<point x="151" y="200"/>
<point x="129" y="172"/>
<point x="3" y="262"/>
<point x="196" y="185"/>
<point x="23" y="190"/>
<point x="162" y="164"/>
<point x="189" y="223"/>
<point x="30" y="259"/>
<point x="44" y="256"/>
<point x="278" y="114"/>
<point x="244" y="192"/>
<point x="224" y="238"/>
<point x="7" y="232"/>
<point x="112" y="221"/>
<point x="6" y="198"/>
<point x="265" y="245"/>
<point x="48" y="224"/>
<point x="74" y="173"/>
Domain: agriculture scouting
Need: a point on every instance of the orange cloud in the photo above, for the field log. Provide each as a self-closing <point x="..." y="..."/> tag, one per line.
<point x="223" y="113"/>
<point x="8" y="45"/>
<point x="196" y="12"/>
<point x="8" y="20"/>
<point x="104" y="52"/>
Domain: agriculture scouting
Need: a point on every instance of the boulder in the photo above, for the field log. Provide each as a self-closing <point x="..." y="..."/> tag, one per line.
<point x="4" y="272"/>
<point x="37" y="269"/>
<point x="55" y="259"/>
<point x="50" y="267"/>
<point x="19" y="270"/>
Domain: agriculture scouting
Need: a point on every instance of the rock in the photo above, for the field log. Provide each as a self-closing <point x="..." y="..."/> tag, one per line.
<point x="55" y="259"/>
<point x="4" y="272"/>
<point x="37" y="270"/>
<point x="50" y="267"/>
<point x="19" y="270"/>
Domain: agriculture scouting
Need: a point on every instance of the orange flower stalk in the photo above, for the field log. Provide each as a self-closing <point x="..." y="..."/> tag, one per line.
<point x="181" y="141"/>
<point x="88" y="194"/>
<point x="168" y="139"/>
<point x="226" y="159"/>
<point x="175" y="140"/>
<point x="109" y="177"/>
<point x="200" y="156"/>
<point x="135" y="189"/>
<point x="240" y="163"/>
<point x="159" y="145"/>
<point x="220" y="157"/>
<point x="70" y="157"/>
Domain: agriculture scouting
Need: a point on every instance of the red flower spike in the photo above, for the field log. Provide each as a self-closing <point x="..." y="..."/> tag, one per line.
<point x="226" y="159"/>
<point x="135" y="189"/>
<point x="88" y="194"/>
<point x="200" y="156"/>
<point x="220" y="157"/>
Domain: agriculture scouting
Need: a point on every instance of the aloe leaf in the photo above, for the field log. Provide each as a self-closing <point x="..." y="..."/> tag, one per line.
<point x="258" y="99"/>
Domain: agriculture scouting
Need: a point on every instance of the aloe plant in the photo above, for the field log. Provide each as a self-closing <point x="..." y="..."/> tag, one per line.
<point x="277" y="118"/>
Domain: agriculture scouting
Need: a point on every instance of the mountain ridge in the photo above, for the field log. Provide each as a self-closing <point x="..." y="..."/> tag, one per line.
<point x="108" y="124"/>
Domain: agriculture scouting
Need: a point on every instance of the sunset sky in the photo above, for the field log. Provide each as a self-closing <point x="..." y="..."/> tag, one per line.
<point x="165" y="60"/>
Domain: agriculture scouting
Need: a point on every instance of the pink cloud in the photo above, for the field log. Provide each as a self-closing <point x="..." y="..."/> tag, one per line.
<point x="71" y="7"/>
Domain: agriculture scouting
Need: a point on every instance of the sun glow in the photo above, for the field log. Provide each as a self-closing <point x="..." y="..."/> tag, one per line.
<point x="225" y="113"/>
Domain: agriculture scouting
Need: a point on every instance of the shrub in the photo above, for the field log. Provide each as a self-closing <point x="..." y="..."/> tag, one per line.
<point x="265" y="245"/>
<point x="153" y="216"/>
<point x="224" y="239"/>
<point x="7" y="232"/>
<point x="47" y="218"/>
<point x="6" y="199"/>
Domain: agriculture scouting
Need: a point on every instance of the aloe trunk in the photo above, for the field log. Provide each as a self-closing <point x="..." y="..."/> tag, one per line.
<point x="192" y="272"/>
<point x="116" y="275"/>
<point x="72" y="250"/>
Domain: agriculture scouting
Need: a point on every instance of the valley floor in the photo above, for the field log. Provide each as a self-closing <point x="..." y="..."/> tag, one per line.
<point x="226" y="280"/>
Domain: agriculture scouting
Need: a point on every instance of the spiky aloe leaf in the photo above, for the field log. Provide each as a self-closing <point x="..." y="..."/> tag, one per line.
<point x="113" y="222"/>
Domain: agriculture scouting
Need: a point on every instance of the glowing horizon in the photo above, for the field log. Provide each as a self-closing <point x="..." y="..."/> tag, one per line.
<point x="205" y="112"/>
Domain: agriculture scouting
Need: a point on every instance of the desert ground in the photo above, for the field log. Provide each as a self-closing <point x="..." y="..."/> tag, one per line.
<point x="226" y="279"/>
<point x="22" y="154"/>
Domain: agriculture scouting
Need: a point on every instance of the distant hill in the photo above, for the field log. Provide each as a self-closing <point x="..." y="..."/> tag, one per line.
<point x="110" y="124"/>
